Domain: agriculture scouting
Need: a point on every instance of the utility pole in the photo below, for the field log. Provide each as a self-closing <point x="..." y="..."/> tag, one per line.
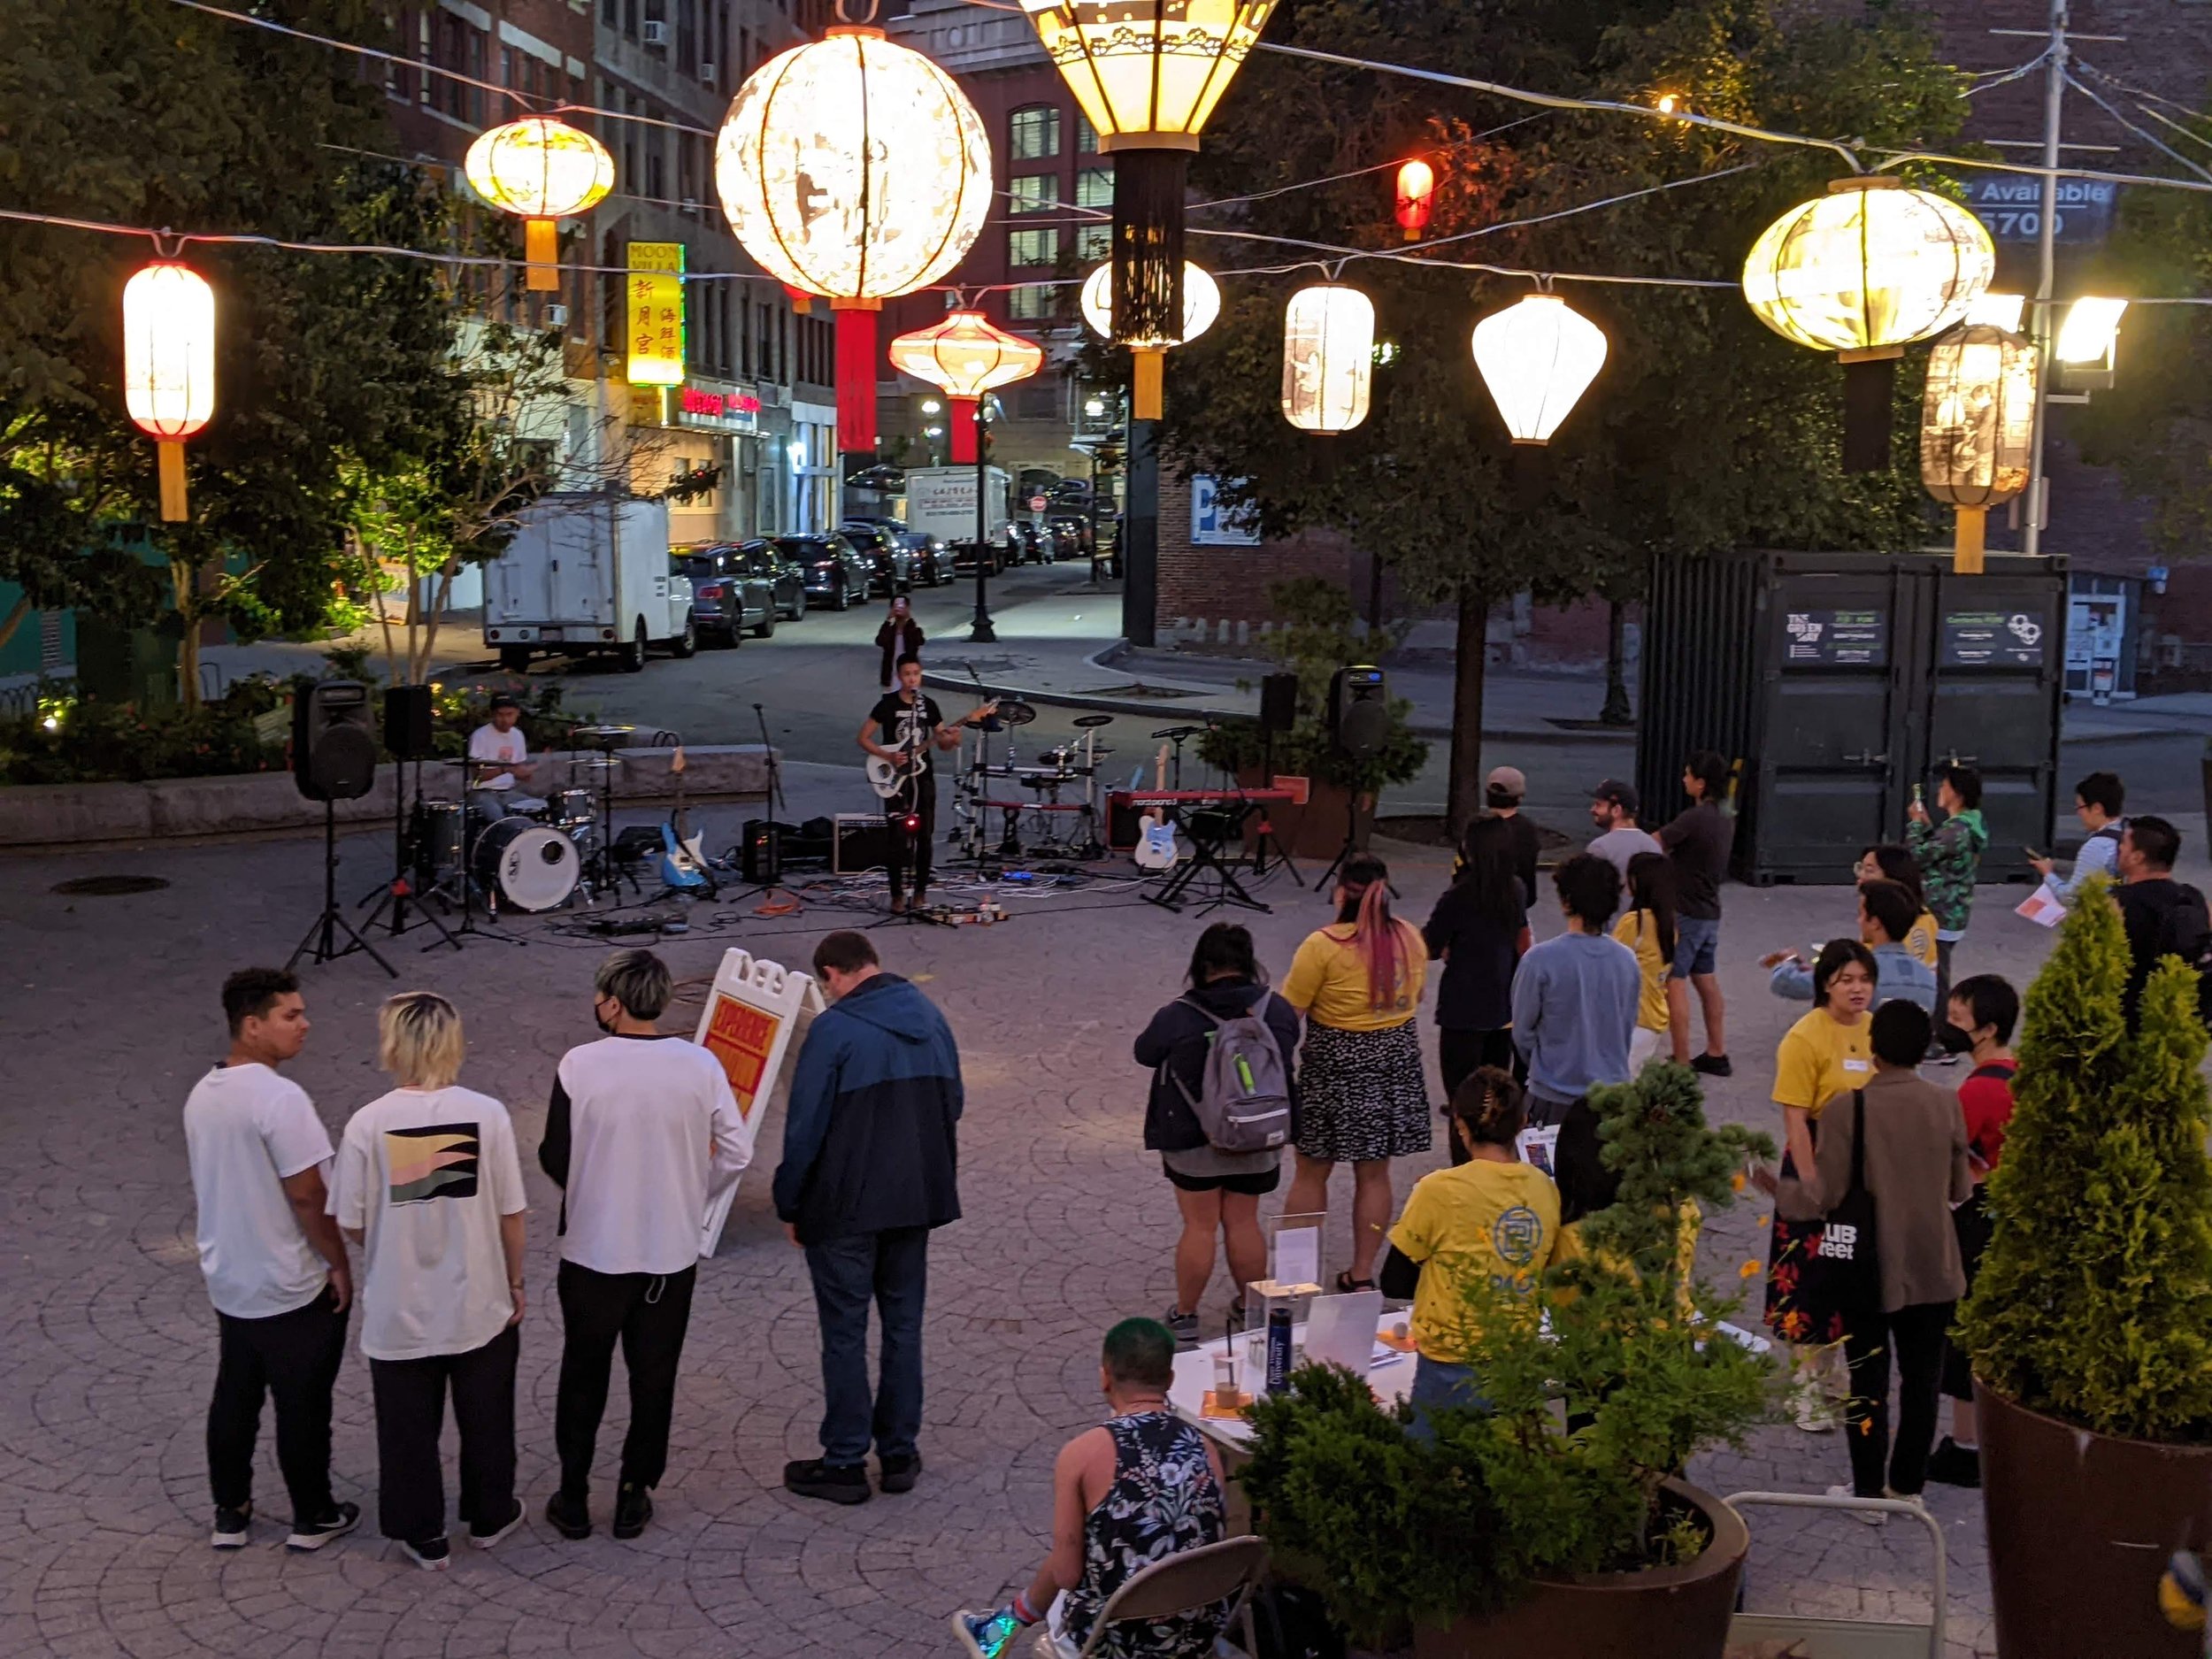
<point x="2047" y="256"/>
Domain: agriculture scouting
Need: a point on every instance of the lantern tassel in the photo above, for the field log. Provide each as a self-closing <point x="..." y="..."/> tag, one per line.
<point x="1868" y="382"/>
<point x="1968" y="541"/>
<point x="170" y="454"/>
<point x="962" y="423"/>
<point x="856" y="374"/>
<point x="1148" y="374"/>
<point x="542" y="247"/>
<point x="1148" y="292"/>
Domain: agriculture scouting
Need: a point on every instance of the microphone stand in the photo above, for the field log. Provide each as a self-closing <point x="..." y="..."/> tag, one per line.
<point x="775" y="768"/>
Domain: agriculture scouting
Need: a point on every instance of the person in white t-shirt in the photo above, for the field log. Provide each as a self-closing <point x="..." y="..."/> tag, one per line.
<point x="274" y="1265"/>
<point x="642" y="1135"/>
<point x="501" y="739"/>
<point x="429" y="1186"/>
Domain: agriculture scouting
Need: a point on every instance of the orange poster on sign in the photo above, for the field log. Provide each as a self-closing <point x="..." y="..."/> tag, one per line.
<point x="741" y="1036"/>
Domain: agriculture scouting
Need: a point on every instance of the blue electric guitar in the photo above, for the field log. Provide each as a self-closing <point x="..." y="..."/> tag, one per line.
<point x="683" y="863"/>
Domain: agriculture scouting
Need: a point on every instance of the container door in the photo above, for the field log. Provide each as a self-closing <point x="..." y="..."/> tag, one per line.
<point x="1999" y="655"/>
<point x="1829" y="759"/>
<point x="582" y="586"/>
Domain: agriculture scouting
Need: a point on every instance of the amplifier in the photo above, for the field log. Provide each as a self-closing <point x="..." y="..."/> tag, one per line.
<point x="1122" y="834"/>
<point x="861" y="840"/>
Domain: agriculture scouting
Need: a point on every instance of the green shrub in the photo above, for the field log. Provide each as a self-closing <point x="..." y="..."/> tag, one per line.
<point x="2093" y="1302"/>
<point x="66" y="739"/>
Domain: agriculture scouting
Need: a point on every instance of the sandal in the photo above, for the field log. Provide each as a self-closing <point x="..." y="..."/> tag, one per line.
<point x="1346" y="1284"/>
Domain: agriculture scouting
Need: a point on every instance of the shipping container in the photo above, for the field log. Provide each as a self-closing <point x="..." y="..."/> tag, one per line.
<point x="1836" y="682"/>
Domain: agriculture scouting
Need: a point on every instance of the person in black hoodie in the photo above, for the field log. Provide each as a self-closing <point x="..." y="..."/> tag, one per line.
<point x="1217" y="1191"/>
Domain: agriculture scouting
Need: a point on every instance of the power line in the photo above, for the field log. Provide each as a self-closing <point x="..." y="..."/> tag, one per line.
<point x="2160" y="145"/>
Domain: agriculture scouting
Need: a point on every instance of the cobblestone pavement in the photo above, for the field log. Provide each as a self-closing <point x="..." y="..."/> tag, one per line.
<point x="107" y="1343"/>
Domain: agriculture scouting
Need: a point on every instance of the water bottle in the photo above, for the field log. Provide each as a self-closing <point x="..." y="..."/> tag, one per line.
<point x="1277" y="1349"/>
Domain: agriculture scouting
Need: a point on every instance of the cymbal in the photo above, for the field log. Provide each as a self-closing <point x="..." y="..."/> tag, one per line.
<point x="598" y="763"/>
<point x="1014" y="712"/>
<point x="601" y="736"/>
<point x="1093" y="719"/>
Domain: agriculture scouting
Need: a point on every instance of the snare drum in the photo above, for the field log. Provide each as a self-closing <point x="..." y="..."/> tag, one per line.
<point x="436" y="826"/>
<point x="533" y="867"/>
<point x="571" y="806"/>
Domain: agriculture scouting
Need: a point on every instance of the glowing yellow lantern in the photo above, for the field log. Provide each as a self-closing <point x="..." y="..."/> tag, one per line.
<point x="542" y="169"/>
<point x="1202" y="303"/>
<point x="1328" y="357"/>
<point x="1538" y="358"/>
<point x="168" y="364"/>
<point x="853" y="167"/>
<point x="1146" y="75"/>
<point x="965" y="356"/>
<point x="1977" y="428"/>
<point x="1865" y="272"/>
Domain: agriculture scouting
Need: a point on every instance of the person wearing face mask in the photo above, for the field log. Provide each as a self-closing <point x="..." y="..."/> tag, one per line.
<point x="642" y="1135"/>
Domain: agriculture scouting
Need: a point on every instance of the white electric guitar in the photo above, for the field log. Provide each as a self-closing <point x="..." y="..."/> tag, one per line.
<point x="890" y="778"/>
<point x="1156" y="847"/>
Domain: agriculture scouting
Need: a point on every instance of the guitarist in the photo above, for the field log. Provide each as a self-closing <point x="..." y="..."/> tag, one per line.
<point x="900" y="729"/>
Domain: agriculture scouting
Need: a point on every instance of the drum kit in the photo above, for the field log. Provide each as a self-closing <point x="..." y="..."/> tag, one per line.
<point x="1057" y="827"/>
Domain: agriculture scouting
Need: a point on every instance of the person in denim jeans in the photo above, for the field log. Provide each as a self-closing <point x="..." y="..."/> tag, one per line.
<point x="1699" y="839"/>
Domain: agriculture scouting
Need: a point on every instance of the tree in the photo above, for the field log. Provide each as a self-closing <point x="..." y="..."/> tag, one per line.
<point x="1704" y="430"/>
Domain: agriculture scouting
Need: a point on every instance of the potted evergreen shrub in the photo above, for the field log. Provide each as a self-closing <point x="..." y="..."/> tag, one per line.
<point x="1554" y="1524"/>
<point x="2090" y="1326"/>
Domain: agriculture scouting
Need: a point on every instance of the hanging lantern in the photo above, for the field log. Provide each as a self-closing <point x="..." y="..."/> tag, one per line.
<point x="1977" y="428"/>
<point x="168" y="364"/>
<point x="1328" y="357"/>
<point x="855" y="168"/>
<point x="965" y="356"/>
<point x="1202" y="303"/>
<point x="1146" y="75"/>
<point x="542" y="169"/>
<point x="1417" y="196"/>
<point x="1538" y="358"/>
<point x="1864" y="272"/>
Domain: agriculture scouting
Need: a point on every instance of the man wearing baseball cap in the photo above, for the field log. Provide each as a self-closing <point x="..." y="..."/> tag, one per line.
<point x="1613" y="810"/>
<point x="1501" y="794"/>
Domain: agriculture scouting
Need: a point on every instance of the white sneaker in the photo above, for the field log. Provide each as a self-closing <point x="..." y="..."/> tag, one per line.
<point x="1915" y="1499"/>
<point x="1871" y="1518"/>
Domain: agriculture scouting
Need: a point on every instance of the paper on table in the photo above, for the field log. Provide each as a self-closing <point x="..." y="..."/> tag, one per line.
<point x="2041" y="908"/>
<point x="1298" y="1256"/>
<point x="1537" y="1146"/>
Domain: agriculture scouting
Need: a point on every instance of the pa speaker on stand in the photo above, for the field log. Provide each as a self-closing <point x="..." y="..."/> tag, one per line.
<point x="1359" y="727"/>
<point x="333" y="759"/>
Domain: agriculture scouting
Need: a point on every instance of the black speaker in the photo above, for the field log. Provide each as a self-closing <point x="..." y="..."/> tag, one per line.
<point x="333" y="740"/>
<point x="407" y="722"/>
<point x="863" y="842"/>
<point x="760" y="851"/>
<point x="1279" y="702"/>
<point x="1359" y="711"/>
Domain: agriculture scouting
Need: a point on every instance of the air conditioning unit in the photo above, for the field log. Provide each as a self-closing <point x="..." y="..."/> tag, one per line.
<point x="656" y="32"/>
<point x="556" y="316"/>
<point x="707" y="75"/>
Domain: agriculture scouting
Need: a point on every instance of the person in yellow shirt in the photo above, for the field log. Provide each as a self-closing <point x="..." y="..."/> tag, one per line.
<point x="1648" y="929"/>
<point x="1893" y="862"/>
<point x="1823" y="1055"/>
<point x="1362" y="1094"/>
<point x="1492" y="1220"/>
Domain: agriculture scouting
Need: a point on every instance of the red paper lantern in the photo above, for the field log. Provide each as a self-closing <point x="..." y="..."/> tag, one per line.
<point x="1417" y="196"/>
<point x="965" y="356"/>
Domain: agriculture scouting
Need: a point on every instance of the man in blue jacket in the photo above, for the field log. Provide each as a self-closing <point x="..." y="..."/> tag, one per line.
<point x="870" y="1165"/>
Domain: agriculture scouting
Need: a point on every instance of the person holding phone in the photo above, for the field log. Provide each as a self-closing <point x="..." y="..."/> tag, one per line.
<point x="2098" y="799"/>
<point x="1986" y="1008"/>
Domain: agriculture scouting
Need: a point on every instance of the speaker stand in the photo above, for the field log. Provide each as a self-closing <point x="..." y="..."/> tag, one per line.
<point x="322" y="932"/>
<point x="1265" y="835"/>
<point x="1325" y="883"/>
<point x="399" y="892"/>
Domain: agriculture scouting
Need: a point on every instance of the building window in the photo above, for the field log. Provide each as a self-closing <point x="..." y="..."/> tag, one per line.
<point x="1032" y="247"/>
<point x="1035" y="133"/>
<point x="1033" y="304"/>
<point x="1086" y="135"/>
<point x="1034" y="192"/>
<point x="1094" y="242"/>
<point x="1094" y="188"/>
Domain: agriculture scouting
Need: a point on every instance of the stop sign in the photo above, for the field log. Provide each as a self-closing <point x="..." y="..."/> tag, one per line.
<point x="1036" y="503"/>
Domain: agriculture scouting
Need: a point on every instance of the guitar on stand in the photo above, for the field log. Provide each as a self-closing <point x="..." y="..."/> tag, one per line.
<point x="683" y="865"/>
<point x="1156" y="847"/>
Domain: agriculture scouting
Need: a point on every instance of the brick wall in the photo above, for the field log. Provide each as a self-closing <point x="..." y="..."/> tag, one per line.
<point x="1217" y="584"/>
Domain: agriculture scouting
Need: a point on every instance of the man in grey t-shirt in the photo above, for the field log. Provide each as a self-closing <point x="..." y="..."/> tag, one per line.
<point x="1575" y="996"/>
<point x="1613" y="806"/>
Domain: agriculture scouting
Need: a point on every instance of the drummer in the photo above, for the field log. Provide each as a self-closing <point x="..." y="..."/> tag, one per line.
<point x="501" y="743"/>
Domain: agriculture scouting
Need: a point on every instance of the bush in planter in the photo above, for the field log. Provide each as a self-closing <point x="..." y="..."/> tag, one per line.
<point x="92" y="742"/>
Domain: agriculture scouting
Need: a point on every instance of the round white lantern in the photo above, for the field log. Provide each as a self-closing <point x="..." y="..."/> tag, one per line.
<point x="1538" y="358"/>
<point x="1328" y="357"/>
<point x="1202" y="305"/>
<point x="168" y="364"/>
<point x="542" y="169"/>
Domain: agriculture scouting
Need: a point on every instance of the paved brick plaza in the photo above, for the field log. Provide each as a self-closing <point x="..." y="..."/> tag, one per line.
<point x="107" y="1343"/>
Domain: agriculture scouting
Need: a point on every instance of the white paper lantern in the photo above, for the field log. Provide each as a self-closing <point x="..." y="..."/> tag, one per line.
<point x="1538" y="358"/>
<point x="1328" y="357"/>
<point x="169" y="365"/>
<point x="1202" y="305"/>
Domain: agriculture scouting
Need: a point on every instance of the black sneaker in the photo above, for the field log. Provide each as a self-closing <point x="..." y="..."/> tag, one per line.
<point x="1713" y="1065"/>
<point x="431" y="1555"/>
<point x="233" y="1527"/>
<point x="342" y="1518"/>
<point x="633" y="1507"/>
<point x="839" y="1482"/>
<point x="570" y="1518"/>
<point x="1956" y="1465"/>
<point x="484" y="1540"/>
<point x="899" y="1474"/>
<point x="1184" y="1327"/>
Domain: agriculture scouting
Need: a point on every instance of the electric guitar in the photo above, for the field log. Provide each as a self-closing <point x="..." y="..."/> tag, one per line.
<point x="889" y="779"/>
<point x="683" y="863"/>
<point x="1156" y="847"/>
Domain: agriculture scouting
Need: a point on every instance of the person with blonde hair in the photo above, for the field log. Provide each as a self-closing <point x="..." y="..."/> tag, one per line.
<point x="430" y="1187"/>
<point x="1363" y="1098"/>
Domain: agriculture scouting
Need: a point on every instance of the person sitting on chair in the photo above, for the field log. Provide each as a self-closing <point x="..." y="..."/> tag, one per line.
<point x="501" y="739"/>
<point x="1144" y="1486"/>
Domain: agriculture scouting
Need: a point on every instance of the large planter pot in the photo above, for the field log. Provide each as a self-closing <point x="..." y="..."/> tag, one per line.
<point x="1315" y="830"/>
<point x="1660" y="1613"/>
<point x="2080" y="1526"/>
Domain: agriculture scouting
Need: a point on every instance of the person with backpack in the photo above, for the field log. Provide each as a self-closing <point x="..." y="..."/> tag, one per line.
<point x="2098" y="799"/>
<point x="1950" y="855"/>
<point x="2164" y="917"/>
<point x="1222" y="1109"/>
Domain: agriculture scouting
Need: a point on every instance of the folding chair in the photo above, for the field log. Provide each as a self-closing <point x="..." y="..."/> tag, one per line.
<point x="1183" y="1583"/>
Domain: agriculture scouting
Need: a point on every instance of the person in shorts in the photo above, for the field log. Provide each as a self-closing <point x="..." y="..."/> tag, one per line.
<point x="1699" y="839"/>
<point x="1217" y="1192"/>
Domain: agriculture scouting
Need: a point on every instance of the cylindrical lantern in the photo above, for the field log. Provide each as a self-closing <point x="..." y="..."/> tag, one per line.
<point x="1977" y="428"/>
<point x="168" y="364"/>
<point x="856" y="168"/>
<point x="542" y="170"/>
<point x="1864" y="272"/>
<point x="1538" y="358"/>
<point x="966" y="355"/>
<point x="1202" y="303"/>
<point x="1146" y="75"/>
<point x="1417" y="194"/>
<point x="1328" y="357"/>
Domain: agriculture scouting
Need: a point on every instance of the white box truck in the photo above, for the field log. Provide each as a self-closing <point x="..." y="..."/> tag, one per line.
<point x="940" y="501"/>
<point x="585" y="574"/>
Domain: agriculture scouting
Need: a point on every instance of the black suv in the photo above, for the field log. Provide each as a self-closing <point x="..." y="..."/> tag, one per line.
<point x="929" y="562"/>
<point x="887" y="559"/>
<point x="783" y="573"/>
<point x="835" y="574"/>
<point x="727" y="596"/>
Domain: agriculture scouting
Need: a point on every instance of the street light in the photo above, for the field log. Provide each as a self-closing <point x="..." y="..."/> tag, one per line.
<point x="1977" y="422"/>
<point x="542" y="169"/>
<point x="169" y="365"/>
<point x="930" y="406"/>
<point x="2088" y="343"/>
<point x="1328" y="357"/>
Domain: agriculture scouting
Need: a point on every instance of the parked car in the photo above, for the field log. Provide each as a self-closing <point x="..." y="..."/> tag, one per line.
<point x="1026" y="546"/>
<point x="726" y="597"/>
<point x="836" y="575"/>
<point x="783" y="573"/>
<point x="929" y="562"/>
<point x="1067" y="540"/>
<point x="886" y="557"/>
<point x="1077" y="529"/>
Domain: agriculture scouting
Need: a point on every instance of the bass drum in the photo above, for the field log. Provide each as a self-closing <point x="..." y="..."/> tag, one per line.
<point x="532" y="867"/>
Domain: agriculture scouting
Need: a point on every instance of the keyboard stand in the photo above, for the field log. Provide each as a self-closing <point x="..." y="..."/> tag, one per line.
<point x="1210" y="831"/>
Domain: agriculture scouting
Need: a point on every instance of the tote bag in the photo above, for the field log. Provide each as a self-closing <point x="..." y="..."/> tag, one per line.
<point x="1843" y="1271"/>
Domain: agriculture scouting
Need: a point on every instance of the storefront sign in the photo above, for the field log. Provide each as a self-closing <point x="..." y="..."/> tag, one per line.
<point x="736" y="409"/>
<point x="1857" y="639"/>
<point x="1992" y="639"/>
<point x="752" y="1009"/>
<point x="656" y="313"/>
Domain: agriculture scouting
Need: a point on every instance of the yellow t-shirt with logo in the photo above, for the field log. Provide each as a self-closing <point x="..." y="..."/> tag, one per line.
<point x="1820" y="1058"/>
<point x="1921" y="940"/>
<point x="1482" y="1221"/>
<point x="1640" y="933"/>
<point x="1328" y="980"/>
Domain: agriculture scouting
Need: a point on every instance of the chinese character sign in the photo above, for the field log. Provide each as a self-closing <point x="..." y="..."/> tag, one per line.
<point x="655" y="313"/>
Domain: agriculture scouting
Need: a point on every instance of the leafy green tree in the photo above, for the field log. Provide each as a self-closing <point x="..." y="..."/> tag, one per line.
<point x="1704" y="430"/>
